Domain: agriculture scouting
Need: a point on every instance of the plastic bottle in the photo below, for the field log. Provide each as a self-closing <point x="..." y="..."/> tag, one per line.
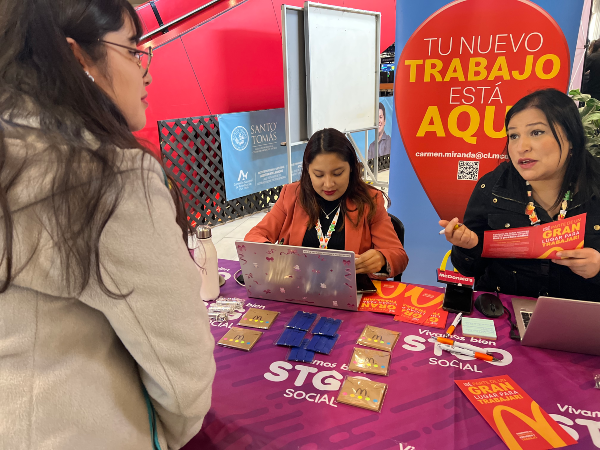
<point x="205" y="255"/>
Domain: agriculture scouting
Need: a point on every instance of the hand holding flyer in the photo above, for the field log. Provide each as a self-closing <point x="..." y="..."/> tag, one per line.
<point x="539" y="242"/>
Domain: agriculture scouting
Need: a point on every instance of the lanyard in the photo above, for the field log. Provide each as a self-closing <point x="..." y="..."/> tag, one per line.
<point x="530" y="209"/>
<point x="324" y="240"/>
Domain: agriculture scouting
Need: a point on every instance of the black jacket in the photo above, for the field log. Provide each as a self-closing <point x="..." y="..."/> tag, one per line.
<point x="498" y="202"/>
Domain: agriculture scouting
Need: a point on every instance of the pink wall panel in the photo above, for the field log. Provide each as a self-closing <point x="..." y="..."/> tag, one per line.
<point x="299" y="3"/>
<point x="238" y="59"/>
<point x="174" y="91"/>
<point x="173" y="9"/>
<point x="148" y="18"/>
<point x="191" y="22"/>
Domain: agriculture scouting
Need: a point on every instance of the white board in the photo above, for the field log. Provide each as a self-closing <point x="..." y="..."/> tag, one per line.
<point x="342" y="67"/>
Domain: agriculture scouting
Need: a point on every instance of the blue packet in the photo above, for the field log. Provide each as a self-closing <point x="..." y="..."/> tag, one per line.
<point x="291" y="338"/>
<point x="302" y="321"/>
<point x="327" y="326"/>
<point x="300" y="354"/>
<point x="322" y="344"/>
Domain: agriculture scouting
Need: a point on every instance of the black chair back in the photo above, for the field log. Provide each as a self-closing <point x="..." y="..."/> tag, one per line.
<point x="399" y="228"/>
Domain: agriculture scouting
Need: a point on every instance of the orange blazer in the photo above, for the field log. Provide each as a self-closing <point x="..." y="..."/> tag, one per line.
<point x="287" y="220"/>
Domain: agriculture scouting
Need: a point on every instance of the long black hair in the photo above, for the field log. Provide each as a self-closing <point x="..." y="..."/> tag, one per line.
<point x="583" y="169"/>
<point x="330" y="140"/>
<point x="47" y="100"/>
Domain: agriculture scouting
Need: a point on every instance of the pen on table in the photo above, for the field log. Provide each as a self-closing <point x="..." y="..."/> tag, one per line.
<point x="443" y="340"/>
<point x="455" y="323"/>
<point x="463" y="351"/>
<point x="456" y="227"/>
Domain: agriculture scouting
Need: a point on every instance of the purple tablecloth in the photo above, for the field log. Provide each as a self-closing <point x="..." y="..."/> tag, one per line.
<point x="262" y="401"/>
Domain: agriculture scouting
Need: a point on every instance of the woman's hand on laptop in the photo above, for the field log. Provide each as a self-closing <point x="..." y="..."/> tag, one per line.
<point x="370" y="261"/>
<point x="585" y="262"/>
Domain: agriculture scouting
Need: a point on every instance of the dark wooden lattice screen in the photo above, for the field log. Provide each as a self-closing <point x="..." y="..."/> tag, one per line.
<point x="191" y="152"/>
<point x="383" y="163"/>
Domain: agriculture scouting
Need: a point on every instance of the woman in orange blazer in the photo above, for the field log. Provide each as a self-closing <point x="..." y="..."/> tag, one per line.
<point x="332" y="207"/>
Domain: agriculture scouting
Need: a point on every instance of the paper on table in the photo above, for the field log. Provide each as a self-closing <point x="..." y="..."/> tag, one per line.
<point x="482" y="328"/>
<point x="514" y="415"/>
<point x="391" y="295"/>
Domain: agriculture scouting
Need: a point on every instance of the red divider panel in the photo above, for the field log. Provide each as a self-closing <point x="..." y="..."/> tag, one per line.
<point x="174" y="91"/>
<point x="239" y="61"/>
<point x="148" y="18"/>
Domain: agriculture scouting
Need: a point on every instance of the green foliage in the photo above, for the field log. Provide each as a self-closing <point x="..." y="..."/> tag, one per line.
<point x="590" y="116"/>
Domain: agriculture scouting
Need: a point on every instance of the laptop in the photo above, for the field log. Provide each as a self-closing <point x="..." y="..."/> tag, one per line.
<point x="559" y="324"/>
<point x="308" y="276"/>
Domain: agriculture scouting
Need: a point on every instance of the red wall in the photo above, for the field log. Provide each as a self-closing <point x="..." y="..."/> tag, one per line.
<point x="226" y="59"/>
<point x="168" y="10"/>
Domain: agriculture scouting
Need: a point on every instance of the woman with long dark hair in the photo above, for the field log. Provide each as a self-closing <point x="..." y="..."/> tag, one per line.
<point x="550" y="177"/>
<point x="332" y="207"/>
<point x="104" y="340"/>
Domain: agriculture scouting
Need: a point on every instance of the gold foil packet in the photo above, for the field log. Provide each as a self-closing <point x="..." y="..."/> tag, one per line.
<point x="370" y="361"/>
<point x="378" y="338"/>
<point x="365" y="394"/>
<point x="258" y="318"/>
<point x="241" y="338"/>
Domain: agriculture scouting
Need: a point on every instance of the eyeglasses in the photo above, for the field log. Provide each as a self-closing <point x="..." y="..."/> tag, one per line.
<point x="142" y="57"/>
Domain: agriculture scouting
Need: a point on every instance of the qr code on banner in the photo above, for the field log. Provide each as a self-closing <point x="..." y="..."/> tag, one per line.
<point x="468" y="170"/>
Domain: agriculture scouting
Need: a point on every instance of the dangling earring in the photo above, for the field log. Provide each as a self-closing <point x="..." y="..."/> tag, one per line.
<point x="88" y="74"/>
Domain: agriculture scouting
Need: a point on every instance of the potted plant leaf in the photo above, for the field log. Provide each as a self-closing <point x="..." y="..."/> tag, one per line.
<point x="590" y="116"/>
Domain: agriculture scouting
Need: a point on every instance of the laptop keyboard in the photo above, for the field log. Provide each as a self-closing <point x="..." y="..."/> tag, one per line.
<point x="526" y="316"/>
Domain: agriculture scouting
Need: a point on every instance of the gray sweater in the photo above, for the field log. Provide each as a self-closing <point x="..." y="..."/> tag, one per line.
<point x="72" y="367"/>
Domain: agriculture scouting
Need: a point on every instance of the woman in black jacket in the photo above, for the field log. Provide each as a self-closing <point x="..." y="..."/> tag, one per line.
<point x="550" y="176"/>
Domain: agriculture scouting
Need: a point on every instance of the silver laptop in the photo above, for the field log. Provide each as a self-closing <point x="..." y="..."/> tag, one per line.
<point x="309" y="276"/>
<point x="559" y="324"/>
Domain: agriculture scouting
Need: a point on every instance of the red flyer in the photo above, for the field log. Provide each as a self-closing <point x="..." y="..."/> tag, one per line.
<point x="437" y="319"/>
<point x="378" y="305"/>
<point x="420" y="304"/>
<point x="514" y="415"/>
<point x="409" y="303"/>
<point x="539" y="242"/>
<point x="386" y="299"/>
<point x="431" y="316"/>
<point x="411" y="314"/>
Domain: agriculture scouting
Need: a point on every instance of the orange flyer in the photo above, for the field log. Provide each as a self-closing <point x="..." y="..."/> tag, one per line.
<point x="386" y="299"/>
<point x="514" y="415"/>
<point x="409" y="303"/>
<point x="437" y="319"/>
<point x="411" y="314"/>
<point x="539" y="242"/>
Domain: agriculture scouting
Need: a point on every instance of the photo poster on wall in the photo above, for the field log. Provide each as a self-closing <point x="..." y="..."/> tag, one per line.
<point x="459" y="66"/>
<point x="386" y="118"/>
<point x="253" y="157"/>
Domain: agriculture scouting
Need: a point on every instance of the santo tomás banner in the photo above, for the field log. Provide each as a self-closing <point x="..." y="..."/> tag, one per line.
<point x="253" y="158"/>
<point x="461" y="66"/>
